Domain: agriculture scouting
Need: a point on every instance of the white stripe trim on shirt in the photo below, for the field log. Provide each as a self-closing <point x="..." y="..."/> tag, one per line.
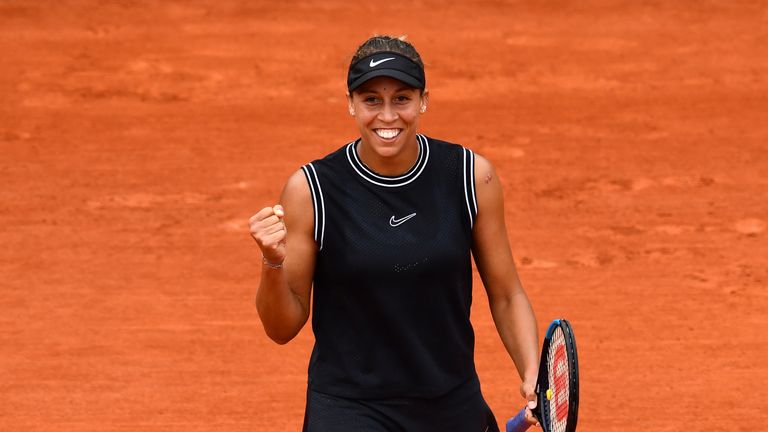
<point x="322" y="205"/>
<point x="409" y="172"/>
<point x="351" y="148"/>
<point x="466" y="194"/>
<point x="314" y="199"/>
<point x="472" y="178"/>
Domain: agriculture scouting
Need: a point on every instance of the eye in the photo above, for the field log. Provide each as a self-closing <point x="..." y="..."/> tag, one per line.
<point x="371" y="100"/>
<point x="402" y="99"/>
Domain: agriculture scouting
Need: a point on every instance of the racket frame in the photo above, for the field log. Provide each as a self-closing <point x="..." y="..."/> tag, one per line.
<point x="542" y="410"/>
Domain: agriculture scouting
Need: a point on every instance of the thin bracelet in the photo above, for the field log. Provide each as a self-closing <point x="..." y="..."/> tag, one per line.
<point x="270" y="265"/>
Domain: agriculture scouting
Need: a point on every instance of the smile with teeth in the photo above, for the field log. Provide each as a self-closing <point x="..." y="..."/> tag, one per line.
<point x="387" y="133"/>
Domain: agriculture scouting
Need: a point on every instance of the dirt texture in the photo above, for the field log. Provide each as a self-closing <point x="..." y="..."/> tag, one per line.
<point x="137" y="137"/>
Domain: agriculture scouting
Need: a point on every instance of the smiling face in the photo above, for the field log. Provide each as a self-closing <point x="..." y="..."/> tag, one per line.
<point x="387" y="113"/>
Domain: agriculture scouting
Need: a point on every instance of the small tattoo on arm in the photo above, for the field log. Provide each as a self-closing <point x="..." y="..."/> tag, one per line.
<point x="488" y="178"/>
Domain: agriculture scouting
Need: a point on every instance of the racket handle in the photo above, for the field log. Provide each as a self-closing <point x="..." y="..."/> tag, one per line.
<point x="518" y="423"/>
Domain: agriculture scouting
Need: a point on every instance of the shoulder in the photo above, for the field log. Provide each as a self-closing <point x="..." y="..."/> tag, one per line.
<point x="483" y="169"/>
<point x="296" y="200"/>
<point x="303" y="192"/>
<point x="297" y="182"/>
<point x="452" y="147"/>
<point x="480" y="165"/>
<point x="296" y="188"/>
<point x="447" y="153"/>
<point x="439" y="144"/>
<point x="490" y="193"/>
<point x="334" y="157"/>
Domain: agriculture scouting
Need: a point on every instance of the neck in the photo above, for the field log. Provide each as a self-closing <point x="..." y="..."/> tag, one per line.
<point x="389" y="165"/>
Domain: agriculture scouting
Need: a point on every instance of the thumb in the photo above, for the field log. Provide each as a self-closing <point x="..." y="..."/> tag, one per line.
<point x="278" y="210"/>
<point x="531" y="405"/>
<point x="531" y="397"/>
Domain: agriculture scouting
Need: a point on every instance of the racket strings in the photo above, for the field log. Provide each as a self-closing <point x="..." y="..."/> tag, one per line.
<point x="559" y="381"/>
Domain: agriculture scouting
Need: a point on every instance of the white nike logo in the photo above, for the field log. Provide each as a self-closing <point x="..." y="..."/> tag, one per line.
<point x="376" y="63"/>
<point x="395" y="222"/>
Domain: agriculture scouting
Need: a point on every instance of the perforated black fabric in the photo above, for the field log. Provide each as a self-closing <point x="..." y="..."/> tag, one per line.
<point x="462" y="410"/>
<point x="392" y="303"/>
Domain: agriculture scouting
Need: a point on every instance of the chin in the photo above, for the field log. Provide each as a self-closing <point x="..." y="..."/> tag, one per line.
<point x="385" y="148"/>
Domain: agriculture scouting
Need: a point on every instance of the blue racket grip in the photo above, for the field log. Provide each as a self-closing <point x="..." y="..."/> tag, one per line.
<point x="518" y="423"/>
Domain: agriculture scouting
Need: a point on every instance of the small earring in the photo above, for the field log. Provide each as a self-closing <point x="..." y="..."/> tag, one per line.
<point x="423" y="109"/>
<point x="351" y="112"/>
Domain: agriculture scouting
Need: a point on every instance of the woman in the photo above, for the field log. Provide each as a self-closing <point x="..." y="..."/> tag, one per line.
<point x="384" y="229"/>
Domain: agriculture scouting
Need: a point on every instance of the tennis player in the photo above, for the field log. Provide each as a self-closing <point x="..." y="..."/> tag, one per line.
<point x="384" y="229"/>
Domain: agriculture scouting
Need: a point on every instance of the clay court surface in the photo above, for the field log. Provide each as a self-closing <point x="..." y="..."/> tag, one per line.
<point x="136" y="138"/>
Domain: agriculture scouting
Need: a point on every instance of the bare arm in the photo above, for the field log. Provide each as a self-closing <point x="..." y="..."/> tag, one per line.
<point x="510" y="308"/>
<point x="284" y="234"/>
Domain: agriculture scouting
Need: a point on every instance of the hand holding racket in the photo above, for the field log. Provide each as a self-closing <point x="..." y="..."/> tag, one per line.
<point x="557" y="387"/>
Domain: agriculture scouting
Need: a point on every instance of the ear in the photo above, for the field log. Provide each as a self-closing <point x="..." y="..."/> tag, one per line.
<point x="351" y="106"/>
<point x="424" y="101"/>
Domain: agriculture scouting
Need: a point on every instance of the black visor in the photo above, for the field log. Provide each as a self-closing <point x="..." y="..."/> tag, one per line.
<point x="389" y="64"/>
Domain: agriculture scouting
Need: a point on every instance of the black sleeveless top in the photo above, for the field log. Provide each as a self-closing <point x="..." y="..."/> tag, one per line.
<point x="393" y="278"/>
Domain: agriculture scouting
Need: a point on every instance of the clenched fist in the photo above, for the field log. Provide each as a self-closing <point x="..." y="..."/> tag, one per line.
<point x="268" y="229"/>
<point x="528" y="390"/>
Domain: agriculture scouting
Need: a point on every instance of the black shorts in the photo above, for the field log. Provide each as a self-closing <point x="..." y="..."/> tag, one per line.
<point x="458" y="411"/>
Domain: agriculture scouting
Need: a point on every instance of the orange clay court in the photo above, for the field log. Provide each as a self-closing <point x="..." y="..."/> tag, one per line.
<point x="136" y="138"/>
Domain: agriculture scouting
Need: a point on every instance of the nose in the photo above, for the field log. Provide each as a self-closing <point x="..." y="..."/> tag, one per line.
<point x="388" y="113"/>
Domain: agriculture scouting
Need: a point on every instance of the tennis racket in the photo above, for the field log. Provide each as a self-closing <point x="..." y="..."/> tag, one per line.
<point x="557" y="386"/>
